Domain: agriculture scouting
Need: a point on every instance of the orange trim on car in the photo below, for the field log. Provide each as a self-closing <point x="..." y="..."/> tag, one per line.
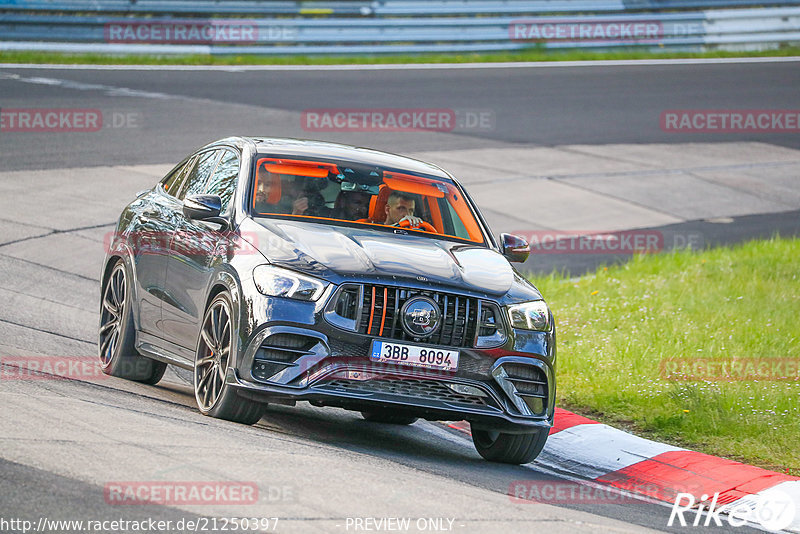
<point x="371" y="311"/>
<point x="411" y="184"/>
<point x="385" y="303"/>
<point x="436" y="215"/>
<point x="297" y="167"/>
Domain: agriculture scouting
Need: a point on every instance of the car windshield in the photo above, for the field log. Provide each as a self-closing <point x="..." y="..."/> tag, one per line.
<point x="348" y="193"/>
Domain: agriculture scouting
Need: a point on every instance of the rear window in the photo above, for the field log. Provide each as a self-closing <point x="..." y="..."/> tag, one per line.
<point x="346" y="193"/>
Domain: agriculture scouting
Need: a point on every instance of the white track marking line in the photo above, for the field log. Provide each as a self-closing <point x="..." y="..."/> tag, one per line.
<point x="418" y="66"/>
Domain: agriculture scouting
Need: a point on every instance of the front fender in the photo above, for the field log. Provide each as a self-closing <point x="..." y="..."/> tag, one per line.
<point x="117" y="248"/>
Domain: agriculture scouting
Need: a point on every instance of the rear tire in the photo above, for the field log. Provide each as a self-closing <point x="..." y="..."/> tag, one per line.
<point x="509" y="448"/>
<point x="117" y="333"/>
<point x="383" y="416"/>
<point x="212" y="359"/>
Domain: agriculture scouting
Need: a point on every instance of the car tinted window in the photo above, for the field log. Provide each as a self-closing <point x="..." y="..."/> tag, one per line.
<point x="223" y="181"/>
<point x="196" y="180"/>
<point x="458" y="227"/>
<point x="173" y="182"/>
<point x="343" y="192"/>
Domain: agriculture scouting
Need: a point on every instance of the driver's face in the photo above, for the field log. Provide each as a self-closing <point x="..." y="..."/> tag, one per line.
<point x="398" y="209"/>
<point x="264" y="188"/>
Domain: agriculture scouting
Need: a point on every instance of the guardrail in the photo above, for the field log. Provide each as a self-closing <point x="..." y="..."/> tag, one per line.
<point x="117" y="26"/>
<point x="376" y="7"/>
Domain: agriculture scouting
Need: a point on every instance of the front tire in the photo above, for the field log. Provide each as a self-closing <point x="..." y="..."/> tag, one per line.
<point x="509" y="448"/>
<point x="117" y="334"/>
<point x="212" y="359"/>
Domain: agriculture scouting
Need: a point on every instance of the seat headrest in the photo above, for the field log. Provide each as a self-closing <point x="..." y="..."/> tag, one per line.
<point x="377" y="204"/>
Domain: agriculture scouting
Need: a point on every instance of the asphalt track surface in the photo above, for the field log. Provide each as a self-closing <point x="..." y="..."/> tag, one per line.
<point x="533" y="106"/>
<point x="63" y="440"/>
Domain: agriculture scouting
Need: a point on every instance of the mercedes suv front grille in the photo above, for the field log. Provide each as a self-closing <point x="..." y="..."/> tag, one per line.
<point x="375" y="310"/>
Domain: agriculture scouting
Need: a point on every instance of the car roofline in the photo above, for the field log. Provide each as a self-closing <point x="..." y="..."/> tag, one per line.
<point x="311" y="148"/>
<point x="353" y="154"/>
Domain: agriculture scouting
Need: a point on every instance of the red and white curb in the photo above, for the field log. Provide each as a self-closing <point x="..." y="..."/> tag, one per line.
<point x="610" y="457"/>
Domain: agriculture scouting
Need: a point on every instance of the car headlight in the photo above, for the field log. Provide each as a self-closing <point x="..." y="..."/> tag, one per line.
<point x="276" y="282"/>
<point x="530" y="316"/>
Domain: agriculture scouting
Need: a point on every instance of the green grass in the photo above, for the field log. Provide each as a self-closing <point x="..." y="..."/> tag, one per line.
<point x="533" y="54"/>
<point x="616" y="326"/>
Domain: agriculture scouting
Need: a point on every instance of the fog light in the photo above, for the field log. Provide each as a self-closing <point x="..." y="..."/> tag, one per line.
<point x="536" y="404"/>
<point x="467" y="390"/>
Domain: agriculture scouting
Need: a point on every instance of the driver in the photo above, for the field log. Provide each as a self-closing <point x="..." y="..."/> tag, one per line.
<point x="399" y="207"/>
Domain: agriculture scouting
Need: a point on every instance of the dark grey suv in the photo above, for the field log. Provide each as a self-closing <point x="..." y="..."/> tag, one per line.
<point x="282" y="270"/>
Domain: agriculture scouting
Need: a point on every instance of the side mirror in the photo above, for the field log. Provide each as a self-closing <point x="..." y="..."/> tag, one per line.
<point x="515" y="248"/>
<point x="204" y="208"/>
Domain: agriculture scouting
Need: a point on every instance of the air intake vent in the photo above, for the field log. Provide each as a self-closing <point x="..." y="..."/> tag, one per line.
<point x="490" y="330"/>
<point x="348" y="303"/>
<point x="278" y="352"/>
<point x="528" y="380"/>
<point x="420" y="389"/>
<point x="525" y="385"/>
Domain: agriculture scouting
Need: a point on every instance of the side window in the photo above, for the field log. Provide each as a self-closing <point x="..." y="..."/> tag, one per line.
<point x="196" y="179"/>
<point x="223" y="181"/>
<point x="173" y="182"/>
<point x="455" y="222"/>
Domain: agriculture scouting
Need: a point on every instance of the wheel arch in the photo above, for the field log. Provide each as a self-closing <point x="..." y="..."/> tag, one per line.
<point x="226" y="282"/>
<point x="124" y="254"/>
<point x="223" y="280"/>
<point x="215" y="290"/>
<point x="111" y="261"/>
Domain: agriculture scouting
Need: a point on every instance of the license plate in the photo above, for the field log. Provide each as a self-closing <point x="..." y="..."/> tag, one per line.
<point x="402" y="354"/>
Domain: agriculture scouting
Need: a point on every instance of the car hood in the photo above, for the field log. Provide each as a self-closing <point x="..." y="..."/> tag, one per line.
<point x="339" y="252"/>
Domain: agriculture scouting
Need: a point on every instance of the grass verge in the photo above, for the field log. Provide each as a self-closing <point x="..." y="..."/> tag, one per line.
<point x="636" y="342"/>
<point x="533" y="54"/>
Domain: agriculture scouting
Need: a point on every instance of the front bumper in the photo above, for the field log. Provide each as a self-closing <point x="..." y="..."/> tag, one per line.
<point x="314" y="361"/>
